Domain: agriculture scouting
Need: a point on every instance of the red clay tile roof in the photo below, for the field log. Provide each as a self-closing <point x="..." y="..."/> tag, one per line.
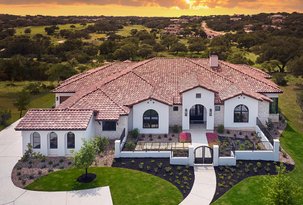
<point x="55" y="119"/>
<point x="112" y="89"/>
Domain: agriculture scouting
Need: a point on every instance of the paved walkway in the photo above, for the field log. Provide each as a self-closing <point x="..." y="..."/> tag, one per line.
<point x="204" y="186"/>
<point x="198" y="135"/>
<point x="10" y="152"/>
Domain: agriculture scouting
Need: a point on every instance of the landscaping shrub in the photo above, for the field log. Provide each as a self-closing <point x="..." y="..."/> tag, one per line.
<point x="130" y="146"/>
<point x="30" y="154"/>
<point x="134" y="133"/>
<point x="34" y="88"/>
<point x="100" y="144"/>
<point x="220" y="129"/>
<point x="176" y="129"/>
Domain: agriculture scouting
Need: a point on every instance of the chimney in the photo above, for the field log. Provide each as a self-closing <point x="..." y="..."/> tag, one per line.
<point x="214" y="61"/>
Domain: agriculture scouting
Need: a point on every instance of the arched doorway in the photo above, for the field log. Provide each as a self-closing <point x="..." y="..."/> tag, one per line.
<point x="197" y="114"/>
<point x="203" y="155"/>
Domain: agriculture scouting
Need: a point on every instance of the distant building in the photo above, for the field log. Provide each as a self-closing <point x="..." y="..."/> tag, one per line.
<point x="248" y="28"/>
<point x="277" y="19"/>
<point x="174" y="29"/>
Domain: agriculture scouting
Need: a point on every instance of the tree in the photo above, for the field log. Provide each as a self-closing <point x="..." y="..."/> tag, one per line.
<point x="127" y="51"/>
<point x="61" y="71"/>
<point x="22" y="101"/>
<point x="281" y="190"/>
<point x="145" y="51"/>
<point x="84" y="158"/>
<point x="27" y="31"/>
<point x="169" y="40"/>
<point x="178" y="47"/>
<point x="296" y="66"/>
<point x="107" y="47"/>
<point x="196" y="46"/>
<point x="51" y="30"/>
<point x="5" y="115"/>
<point x="238" y="58"/>
<point x="282" y="49"/>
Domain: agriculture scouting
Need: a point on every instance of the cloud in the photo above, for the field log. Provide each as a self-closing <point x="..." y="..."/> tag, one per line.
<point x="181" y="4"/>
<point x="162" y="3"/>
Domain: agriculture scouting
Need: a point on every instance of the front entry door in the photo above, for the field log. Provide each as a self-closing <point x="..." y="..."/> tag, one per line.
<point x="197" y="114"/>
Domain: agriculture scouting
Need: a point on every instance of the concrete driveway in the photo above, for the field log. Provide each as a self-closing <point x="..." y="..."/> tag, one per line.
<point x="10" y="153"/>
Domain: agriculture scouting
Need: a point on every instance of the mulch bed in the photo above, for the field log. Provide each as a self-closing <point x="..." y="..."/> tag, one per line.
<point x="86" y="178"/>
<point x="228" y="176"/>
<point x="181" y="176"/>
<point x="25" y="173"/>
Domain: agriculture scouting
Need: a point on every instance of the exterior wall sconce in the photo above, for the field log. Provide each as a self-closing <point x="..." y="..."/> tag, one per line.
<point x="185" y="112"/>
<point x="210" y="112"/>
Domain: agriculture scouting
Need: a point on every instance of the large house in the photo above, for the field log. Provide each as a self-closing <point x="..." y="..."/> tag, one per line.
<point x="151" y="95"/>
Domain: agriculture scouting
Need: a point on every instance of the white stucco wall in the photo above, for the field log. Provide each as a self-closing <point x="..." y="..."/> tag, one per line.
<point x="229" y="106"/>
<point x="161" y="108"/>
<point x="175" y="117"/>
<point x="130" y="120"/>
<point x="189" y="100"/>
<point x="62" y="150"/>
<point x="219" y="116"/>
<point x="121" y="124"/>
<point x="58" y="95"/>
<point x="263" y="111"/>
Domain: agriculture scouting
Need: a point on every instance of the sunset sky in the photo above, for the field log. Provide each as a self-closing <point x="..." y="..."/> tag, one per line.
<point x="147" y="7"/>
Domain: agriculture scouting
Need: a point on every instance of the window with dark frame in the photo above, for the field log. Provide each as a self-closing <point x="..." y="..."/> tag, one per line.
<point x="198" y="95"/>
<point x="241" y="114"/>
<point x="53" y="140"/>
<point x="109" y="125"/>
<point x="274" y="106"/>
<point x="175" y="108"/>
<point x="36" y="140"/>
<point x="217" y="108"/>
<point x="150" y="119"/>
<point x="70" y="140"/>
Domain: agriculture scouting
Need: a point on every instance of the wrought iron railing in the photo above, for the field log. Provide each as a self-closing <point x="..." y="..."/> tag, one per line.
<point x="265" y="131"/>
<point x="123" y="135"/>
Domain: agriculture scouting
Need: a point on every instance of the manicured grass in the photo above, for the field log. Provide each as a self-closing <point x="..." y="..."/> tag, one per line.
<point x="8" y="97"/>
<point x="249" y="191"/>
<point x="127" y="186"/>
<point x="40" y="29"/>
<point x="126" y="29"/>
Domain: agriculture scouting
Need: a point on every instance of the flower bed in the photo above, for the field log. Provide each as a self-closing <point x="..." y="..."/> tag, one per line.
<point x="228" y="176"/>
<point x="181" y="176"/>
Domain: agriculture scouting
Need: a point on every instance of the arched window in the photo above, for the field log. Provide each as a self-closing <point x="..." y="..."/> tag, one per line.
<point x="241" y="114"/>
<point x="53" y="140"/>
<point x="150" y="119"/>
<point x="70" y="140"/>
<point x="36" y="140"/>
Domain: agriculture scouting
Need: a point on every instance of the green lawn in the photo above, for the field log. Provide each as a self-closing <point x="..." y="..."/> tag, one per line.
<point x="40" y="29"/>
<point x="249" y="191"/>
<point x="8" y="96"/>
<point x="126" y="29"/>
<point x="127" y="186"/>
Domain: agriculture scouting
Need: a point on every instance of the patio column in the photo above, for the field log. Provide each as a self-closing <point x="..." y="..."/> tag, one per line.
<point x="117" y="149"/>
<point x="276" y="150"/>
<point x="191" y="155"/>
<point x="216" y="155"/>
